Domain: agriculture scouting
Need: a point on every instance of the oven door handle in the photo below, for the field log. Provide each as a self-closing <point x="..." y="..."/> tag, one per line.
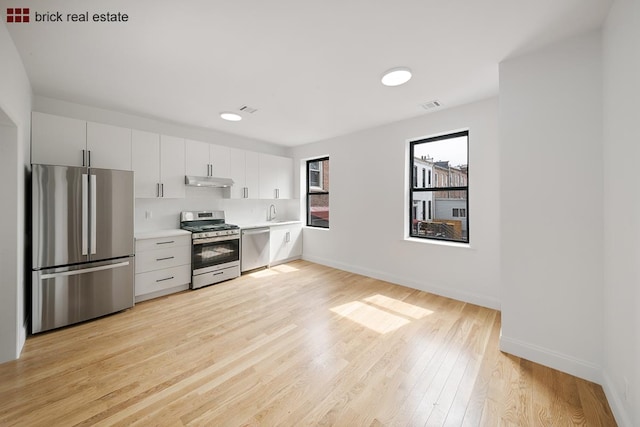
<point x="215" y="239"/>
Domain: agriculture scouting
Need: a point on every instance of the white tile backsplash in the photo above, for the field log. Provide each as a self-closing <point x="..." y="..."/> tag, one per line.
<point x="163" y="214"/>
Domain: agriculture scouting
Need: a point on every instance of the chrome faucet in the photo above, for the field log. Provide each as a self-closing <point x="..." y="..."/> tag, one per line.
<point x="272" y="216"/>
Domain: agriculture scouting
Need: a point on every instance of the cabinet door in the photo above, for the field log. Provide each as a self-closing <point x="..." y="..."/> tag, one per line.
<point x="57" y="140"/>
<point x="268" y="176"/>
<point x="252" y="174"/>
<point x="109" y="146"/>
<point x="276" y="177"/>
<point x="145" y="159"/>
<point x="286" y="242"/>
<point x="284" y="177"/>
<point x="237" y="173"/>
<point x="219" y="157"/>
<point x="196" y="158"/>
<point x="277" y="244"/>
<point x="172" y="167"/>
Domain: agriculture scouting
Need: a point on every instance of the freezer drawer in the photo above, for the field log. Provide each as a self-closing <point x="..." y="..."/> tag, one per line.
<point x="67" y="295"/>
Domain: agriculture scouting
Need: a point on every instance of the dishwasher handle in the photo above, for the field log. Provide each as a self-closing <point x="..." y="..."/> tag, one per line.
<point x="256" y="231"/>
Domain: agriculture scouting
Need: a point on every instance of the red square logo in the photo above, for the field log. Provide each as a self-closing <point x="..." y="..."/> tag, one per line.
<point x="17" y="14"/>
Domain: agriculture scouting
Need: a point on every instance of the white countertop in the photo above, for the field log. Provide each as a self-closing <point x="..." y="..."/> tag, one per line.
<point x="269" y="224"/>
<point x="160" y="233"/>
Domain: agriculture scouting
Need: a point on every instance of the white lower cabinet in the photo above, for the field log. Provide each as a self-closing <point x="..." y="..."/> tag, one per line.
<point x="285" y="243"/>
<point x="163" y="264"/>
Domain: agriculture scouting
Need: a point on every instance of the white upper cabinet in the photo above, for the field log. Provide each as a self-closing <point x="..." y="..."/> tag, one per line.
<point x="145" y="158"/>
<point x="109" y="146"/>
<point x="64" y="141"/>
<point x="245" y="172"/>
<point x="204" y="159"/>
<point x="158" y="163"/>
<point x="197" y="158"/>
<point x="276" y="177"/>
<point x="219" y="157"/>
<point x="57" y="140"/>
<point x="172" y="168"/>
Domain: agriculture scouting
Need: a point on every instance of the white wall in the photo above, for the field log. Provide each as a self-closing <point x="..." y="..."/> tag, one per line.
<point x="551" y="206"/>
<point x="15" y="123"/>
<point x="621" y="60"/>
<point x="369" y="202"/>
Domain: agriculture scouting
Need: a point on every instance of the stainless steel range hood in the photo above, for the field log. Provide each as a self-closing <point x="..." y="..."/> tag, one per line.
<point x="207" y="181"/>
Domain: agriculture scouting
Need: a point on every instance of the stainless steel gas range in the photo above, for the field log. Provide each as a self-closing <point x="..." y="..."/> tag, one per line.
<point x="215" y="253"/>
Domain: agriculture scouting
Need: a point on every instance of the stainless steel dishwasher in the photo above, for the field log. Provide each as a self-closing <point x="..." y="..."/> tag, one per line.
<point x="254" y="248"/>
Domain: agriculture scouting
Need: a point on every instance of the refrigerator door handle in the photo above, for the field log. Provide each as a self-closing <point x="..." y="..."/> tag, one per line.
<point x="85" y="214"/>
<point x="84" y="271"/>
<point x="93" y="214"/>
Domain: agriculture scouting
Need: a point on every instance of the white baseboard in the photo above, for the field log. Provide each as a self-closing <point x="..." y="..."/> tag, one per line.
<point x="615" y="402"/>
<point x="553" y="359"/>
<point x="459" y="295"/>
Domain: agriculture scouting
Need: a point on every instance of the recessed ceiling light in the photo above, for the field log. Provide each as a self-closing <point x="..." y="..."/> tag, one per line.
<point x="232" y="117"/>
<point x="396" y="76"/>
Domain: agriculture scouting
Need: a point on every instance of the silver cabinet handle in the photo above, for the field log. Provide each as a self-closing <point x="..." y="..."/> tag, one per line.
<point x="157" y="189"/>
<point x="218" y="273"/>
<point x="165" y="258"/>
<point x="163" y="280"/>
<point x="84" y="158"/>
<point x="162" y="187"/>
<point x="277" y="193"/>
<point x="165" y="243"/>
<point x="89" y="158"/>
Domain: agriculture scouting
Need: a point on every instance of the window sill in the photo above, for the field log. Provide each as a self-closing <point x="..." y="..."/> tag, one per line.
<point x="311" y="227"/>
<point x="438" y="242"/>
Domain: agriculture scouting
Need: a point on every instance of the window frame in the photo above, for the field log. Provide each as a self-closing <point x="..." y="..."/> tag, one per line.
<point x="436" y="188"/>
<point x="315" y="191"/>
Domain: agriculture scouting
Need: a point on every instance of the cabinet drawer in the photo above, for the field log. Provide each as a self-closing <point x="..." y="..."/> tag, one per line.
<point x="162" y="258"/>
<point x="162" y="243"/>
<point x="158" y="280"/>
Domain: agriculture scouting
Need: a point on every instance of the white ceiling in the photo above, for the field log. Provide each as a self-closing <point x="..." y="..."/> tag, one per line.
<point x="311" y="68"/>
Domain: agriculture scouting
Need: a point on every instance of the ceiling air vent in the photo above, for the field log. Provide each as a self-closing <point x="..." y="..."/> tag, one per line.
<point x="247" y="109"/>
<point x="431" y="105"/>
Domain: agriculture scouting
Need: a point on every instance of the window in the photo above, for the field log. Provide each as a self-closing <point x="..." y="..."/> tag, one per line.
<point x="318" y="193"/>
<point x="445" y="205"/>
<point x="459" y="212"/>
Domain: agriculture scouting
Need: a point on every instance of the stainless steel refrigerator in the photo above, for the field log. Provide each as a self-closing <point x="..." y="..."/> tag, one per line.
<point x="83" y="244"/>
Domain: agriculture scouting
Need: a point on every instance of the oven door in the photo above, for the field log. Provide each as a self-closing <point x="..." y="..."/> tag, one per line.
<point x="211" y="253"/>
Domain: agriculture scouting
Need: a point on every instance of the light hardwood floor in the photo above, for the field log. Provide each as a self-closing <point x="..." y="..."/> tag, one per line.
<point x="300" y="344"/>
